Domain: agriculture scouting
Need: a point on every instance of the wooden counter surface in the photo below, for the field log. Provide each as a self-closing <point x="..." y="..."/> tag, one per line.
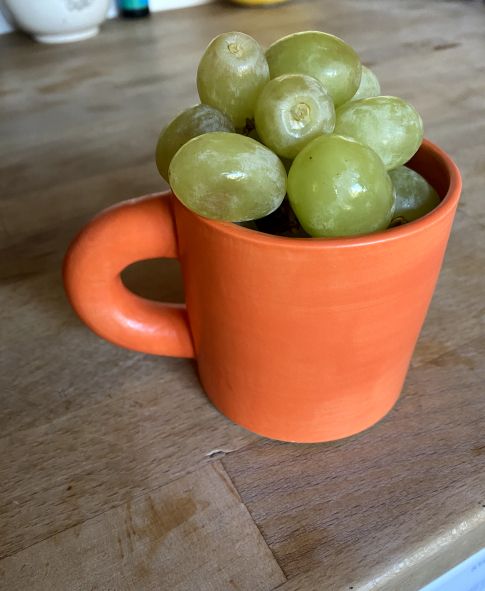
<point x="116" y="473"/>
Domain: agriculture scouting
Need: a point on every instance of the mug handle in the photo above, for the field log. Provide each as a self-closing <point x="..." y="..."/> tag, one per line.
<point x="131" y="231"/>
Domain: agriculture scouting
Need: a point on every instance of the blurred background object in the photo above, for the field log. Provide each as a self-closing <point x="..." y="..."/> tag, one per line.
<point x="58" y="21"/>
<point x="61" y="21"/>
<point x="134" y="8"/>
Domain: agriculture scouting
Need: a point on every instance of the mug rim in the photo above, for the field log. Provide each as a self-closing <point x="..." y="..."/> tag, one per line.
<point x="445" y="207"/>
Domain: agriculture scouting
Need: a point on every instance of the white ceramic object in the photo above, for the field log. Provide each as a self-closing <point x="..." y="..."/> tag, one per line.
<point x="58" y="21"/>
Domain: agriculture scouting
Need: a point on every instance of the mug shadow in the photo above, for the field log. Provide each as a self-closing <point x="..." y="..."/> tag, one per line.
<point x="155" y="279"/>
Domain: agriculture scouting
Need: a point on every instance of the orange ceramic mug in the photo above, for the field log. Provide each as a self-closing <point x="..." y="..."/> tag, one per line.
<point x="296" y="339"/>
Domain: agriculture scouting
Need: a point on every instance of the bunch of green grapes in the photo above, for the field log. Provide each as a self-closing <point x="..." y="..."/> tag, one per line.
<point x="295" y="140"/>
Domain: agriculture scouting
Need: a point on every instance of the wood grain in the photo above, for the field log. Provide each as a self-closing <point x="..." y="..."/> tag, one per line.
<point x="363" y="509"/>
<point x="412" y="574"/>
<point x="79" y="370"/>
<point x="194" y="533"/>
<point x="87" y="430"/>
<point x="110" y="425"/>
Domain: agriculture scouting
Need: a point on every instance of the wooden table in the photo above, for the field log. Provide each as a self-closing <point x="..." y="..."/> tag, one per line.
<point x="116" y="473"/>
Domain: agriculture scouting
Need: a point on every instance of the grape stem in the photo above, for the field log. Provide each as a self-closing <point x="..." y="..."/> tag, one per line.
<point x="300" y="112"/>
<point x="234" y="49"/>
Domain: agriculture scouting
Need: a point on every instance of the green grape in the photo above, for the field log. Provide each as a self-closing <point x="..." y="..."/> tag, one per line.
<point x="325" y="57"/>
<point x="415" y="197"/>
<point x="369" y="85"/>
<point x="188" y="124"/>
<point x="231" y="74"/>
<point x="292" y="110"/>
<point x="226" y="176"/>
<point x="389" y="125"/>
<point x="339" y="187"/>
